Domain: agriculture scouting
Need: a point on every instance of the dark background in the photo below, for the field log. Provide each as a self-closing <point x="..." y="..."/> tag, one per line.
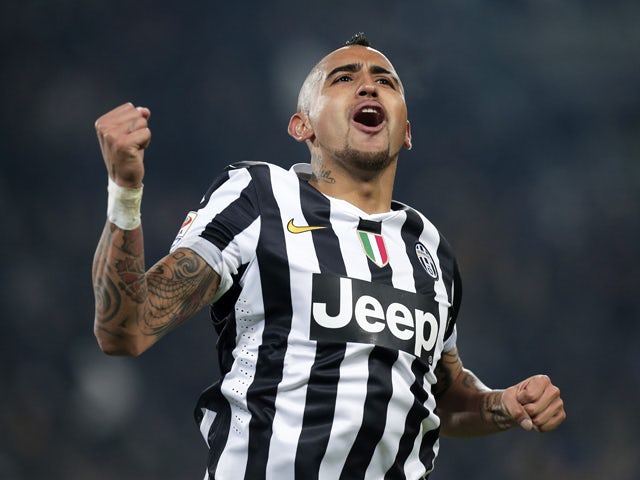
<point x="526" y="127"/>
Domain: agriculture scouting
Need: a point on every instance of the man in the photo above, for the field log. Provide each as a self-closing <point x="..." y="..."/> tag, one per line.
<point x="335" y="305"/>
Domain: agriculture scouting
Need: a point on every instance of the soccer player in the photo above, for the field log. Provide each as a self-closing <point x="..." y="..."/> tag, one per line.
<point x="335" y="305"/>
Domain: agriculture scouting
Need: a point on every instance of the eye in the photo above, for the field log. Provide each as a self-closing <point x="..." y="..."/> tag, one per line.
<point x="385" y="81"/>
<point x="342" y="78"/>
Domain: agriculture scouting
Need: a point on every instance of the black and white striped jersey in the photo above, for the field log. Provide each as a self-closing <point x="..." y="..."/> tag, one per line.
<point x="330" y="324"/>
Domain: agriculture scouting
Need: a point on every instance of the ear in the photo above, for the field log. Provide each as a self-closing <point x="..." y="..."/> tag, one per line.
<point x="407" y="137"/>
<point x="299" y="127"/>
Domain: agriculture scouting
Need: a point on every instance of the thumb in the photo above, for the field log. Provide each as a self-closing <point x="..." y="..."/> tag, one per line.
<point x="527" y="423"/>
<point x="521" y="417"/>
<point x="514" y="405"/>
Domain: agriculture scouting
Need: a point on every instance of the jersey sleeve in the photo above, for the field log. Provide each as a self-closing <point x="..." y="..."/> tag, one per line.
<point x="451" y="334"/>
<point x="224" y="229"/>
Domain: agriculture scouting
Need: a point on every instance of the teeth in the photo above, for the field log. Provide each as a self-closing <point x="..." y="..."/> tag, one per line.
<point x="369" y="110"/>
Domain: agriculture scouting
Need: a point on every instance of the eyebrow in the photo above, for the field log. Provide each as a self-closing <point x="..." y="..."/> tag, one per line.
<point x="356" y="67"/>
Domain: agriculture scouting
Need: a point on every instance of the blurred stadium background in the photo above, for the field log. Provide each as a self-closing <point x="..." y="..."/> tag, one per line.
<point x="526" y="125"/>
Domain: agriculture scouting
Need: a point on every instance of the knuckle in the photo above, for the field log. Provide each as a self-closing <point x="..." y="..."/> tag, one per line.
<point x="110" y="137"/>
<point x="99" y="124"/>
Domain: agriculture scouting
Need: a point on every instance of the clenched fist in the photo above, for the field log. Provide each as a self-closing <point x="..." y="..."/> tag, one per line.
<point x="535" y="404"/>
<point x="124" y="134"/>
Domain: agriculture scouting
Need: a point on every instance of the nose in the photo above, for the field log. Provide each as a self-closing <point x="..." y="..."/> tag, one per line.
<point x="368" y="88"/>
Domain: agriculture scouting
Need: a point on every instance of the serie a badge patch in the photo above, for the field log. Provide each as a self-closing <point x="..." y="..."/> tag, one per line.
<point x="374" y="247"/>
<point x="184" y="228"/>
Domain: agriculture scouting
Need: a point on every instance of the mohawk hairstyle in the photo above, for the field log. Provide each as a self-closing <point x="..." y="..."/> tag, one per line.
<point x="358" y="39"/>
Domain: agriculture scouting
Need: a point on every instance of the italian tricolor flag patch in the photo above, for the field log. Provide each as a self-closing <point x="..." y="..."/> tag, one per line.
<point x="373" y="245"/>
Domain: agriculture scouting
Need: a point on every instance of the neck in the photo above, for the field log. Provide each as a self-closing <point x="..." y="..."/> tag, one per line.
<point x="370" y="191"/>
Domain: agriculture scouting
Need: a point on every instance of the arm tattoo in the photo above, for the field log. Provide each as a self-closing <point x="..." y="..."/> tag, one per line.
<point x="131" y="242"/>
<point x="131" y="279"/>
<point x="468" y="381"/>
<point x="176" y="293"/>
<point x="494" y="411"/>
<point x="110" y="282"/>
<point x="107" y="299"/>
<point x="130" y="268"/>
<point x="150" y="303"/>
<point x="443" y="373"/>
<point x="491" y="407"/>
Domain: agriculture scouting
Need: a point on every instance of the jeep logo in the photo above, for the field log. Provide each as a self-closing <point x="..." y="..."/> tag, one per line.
<point x="350" y="310"/>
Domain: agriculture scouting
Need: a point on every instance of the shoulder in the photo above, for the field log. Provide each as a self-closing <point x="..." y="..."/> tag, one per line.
<point x="259" y="172"/>
<point x="253" y="166"/>
<point x="247" y="164"/>
<point x="263" y="175"/>
<point x="251" y="179"/>
<point x="418" y="222"/>
<point x="414" y="216"/>
<point x="238" y="176"/>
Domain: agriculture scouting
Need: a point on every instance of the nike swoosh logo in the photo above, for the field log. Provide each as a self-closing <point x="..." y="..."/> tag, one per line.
<point x="301" y="229"/>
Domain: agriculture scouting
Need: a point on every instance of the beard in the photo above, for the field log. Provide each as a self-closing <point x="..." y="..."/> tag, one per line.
<point x="365" y="161"/>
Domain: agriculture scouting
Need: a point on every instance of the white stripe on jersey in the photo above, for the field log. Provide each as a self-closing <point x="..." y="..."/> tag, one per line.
<point x="249" y="328"/>
<point x="352" y="391"/>
<point x="298" y="361"/>
<point x="431" y="236"/>
<point x="391" y="231"/>
<point x="205" y="424"/>
<point x="342" y="223"/>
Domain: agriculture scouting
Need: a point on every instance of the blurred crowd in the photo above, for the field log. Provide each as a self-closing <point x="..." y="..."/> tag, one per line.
<point x="526" y="127"/>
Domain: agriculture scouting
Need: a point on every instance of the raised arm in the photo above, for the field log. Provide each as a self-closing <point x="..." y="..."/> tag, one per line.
<point x="134" y="308"/>
<point x="469" y="408"/>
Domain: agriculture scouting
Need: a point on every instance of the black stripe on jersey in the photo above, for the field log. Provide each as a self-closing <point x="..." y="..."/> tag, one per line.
<point x="370" y="226"/>
<point x="274" y="279"/>
<point x="427" y="454"/>
<point x="379" y="390"/>
<point x="316" y="209"/>
<point x="322" y="387"/>
<point x="319" y="410"/>
<point x="244" y="164"/>
<point x="221" y="179"/>
<point x="452" y="282"/>
<point x="411" y="231"/>
<point x="235" y="218"/>
<point x="417" y="413"/>
<point x="212" y="399"/>
<point x="457" y="298"/>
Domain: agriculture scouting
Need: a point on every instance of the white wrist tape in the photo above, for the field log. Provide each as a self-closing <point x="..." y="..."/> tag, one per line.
<point x="123" y="205"/>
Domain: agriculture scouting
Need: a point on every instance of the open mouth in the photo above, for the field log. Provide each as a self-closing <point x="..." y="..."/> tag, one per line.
<point x="369" y="116"/>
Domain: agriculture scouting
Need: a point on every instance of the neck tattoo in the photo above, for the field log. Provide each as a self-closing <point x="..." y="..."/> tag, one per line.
<point x="325" y="175"/>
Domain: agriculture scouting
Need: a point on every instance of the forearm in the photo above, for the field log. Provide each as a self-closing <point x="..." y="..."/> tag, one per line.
<point x="134" y="308"/>
<point x="469" y="408"/>
<point x="120" y="290"/>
